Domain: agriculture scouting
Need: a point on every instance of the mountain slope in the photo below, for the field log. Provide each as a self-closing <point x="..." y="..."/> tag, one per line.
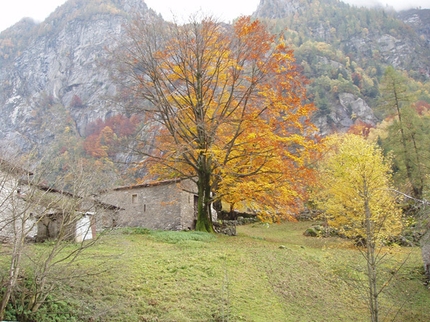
<point x="54" y="81"/>
<point x="56" y="78"/>
<point x="344" y="49"/>
<point x="361" y="33"/>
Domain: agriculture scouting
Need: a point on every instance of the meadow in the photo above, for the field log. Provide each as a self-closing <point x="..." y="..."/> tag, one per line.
<point x="265" y="273"/>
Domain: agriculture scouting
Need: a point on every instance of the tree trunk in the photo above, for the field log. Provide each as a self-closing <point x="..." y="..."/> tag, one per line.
<point x="204" y="215"/>
<point x="416" y="190"/>
<point x="13" y="276"/>
<point x="419" y="189"/>
<point x="370" y="258"/>
<point x="13" y="270"/>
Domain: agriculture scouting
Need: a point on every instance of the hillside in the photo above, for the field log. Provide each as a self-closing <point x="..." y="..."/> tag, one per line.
<point x="266" y="273"/>
<point x="53" y="75"/>
<point x="56" y="89"/>
<point x="345" y="49"/>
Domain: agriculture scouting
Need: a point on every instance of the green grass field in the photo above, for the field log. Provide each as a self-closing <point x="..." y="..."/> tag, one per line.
<point x="266" y="273"/>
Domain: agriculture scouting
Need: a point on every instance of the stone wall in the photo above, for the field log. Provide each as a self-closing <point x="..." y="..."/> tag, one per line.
<point x="165" y="205"/>
<point x="228" y="227"/>
<point x="15" y="212"/>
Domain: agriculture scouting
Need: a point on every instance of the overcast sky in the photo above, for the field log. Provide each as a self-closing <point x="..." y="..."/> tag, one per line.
<point x="12" y="11"/>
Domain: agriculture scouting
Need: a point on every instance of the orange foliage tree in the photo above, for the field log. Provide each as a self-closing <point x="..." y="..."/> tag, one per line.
<point x="360" y="128"/>
<point x="231" y="108"/>
<point x="104" y="137"/>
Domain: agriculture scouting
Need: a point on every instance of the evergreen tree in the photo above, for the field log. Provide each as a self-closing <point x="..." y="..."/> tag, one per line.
<point x="404" y="133"/>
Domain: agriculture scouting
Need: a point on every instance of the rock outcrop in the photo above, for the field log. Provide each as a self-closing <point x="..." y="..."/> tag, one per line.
<point x="60" y="78"/>
<point x="346" y="112"/>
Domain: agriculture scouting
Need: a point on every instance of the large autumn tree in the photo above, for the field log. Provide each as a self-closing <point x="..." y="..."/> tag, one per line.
<point x="229" y="106"/>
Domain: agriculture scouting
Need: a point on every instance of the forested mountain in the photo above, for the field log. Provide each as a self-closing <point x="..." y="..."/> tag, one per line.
<point x="345" y="49"/>
<point x="56" y="90"/>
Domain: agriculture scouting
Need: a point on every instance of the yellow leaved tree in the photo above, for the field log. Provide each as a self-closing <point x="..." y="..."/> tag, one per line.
<point x="356" y="197"/>
<point x="355" y="194"/>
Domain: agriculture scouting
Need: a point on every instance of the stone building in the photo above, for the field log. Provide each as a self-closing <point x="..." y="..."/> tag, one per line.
<point x="164" y="205"/>
<point x="68" y="216"/>
<point x="15" y="214"/>
<point x="31" y="211"/>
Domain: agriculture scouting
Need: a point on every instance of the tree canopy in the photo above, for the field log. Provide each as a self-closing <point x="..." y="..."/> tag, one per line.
<point x="355" y="181"/>
<point x="229" y="105"/>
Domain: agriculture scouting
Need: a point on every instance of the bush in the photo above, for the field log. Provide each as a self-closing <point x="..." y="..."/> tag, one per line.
<point x="321" y="231"/>
<point x="52" y="310"/>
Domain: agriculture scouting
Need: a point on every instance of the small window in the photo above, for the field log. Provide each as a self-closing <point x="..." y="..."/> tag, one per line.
<point x="144" y="208"/>
<point x="134" y="198"/>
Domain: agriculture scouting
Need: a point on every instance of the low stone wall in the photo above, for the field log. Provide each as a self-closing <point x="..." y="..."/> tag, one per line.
<point x="228" y="227"/>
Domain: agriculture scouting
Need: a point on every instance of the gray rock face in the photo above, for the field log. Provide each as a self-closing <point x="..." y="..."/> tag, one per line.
<point x="357" y="108"/>
<point x="61" y="78"/>
<point x="274" y="9"/>
<point x="419" y="20"/>
<point x="349" y="110"/>
<point x="404" y="47"/>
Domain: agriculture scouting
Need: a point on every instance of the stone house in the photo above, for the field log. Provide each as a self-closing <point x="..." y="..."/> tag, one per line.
<point x="16" y="215"/>
<point x="68" y="216"/>
<point x="37" y="212"/>
<point x="164" y="205"/>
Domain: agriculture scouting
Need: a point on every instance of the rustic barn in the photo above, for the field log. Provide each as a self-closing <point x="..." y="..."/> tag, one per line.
<point x="69" y="217"/>
<point x="38" y="212"/>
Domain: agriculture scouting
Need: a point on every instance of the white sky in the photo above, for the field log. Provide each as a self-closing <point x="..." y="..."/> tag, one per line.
<point x="11" y="11"/>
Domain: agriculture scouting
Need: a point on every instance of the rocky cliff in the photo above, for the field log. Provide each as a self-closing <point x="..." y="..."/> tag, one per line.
<point x="347" y="111"/>
<point x="59" y="79"/>
<point x="278" y="9"/>
<point x="419" y="20"/>
<point x="398" y="39"/>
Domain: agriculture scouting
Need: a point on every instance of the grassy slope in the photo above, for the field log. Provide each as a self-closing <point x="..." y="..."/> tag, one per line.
<point x="263" y="274"/>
